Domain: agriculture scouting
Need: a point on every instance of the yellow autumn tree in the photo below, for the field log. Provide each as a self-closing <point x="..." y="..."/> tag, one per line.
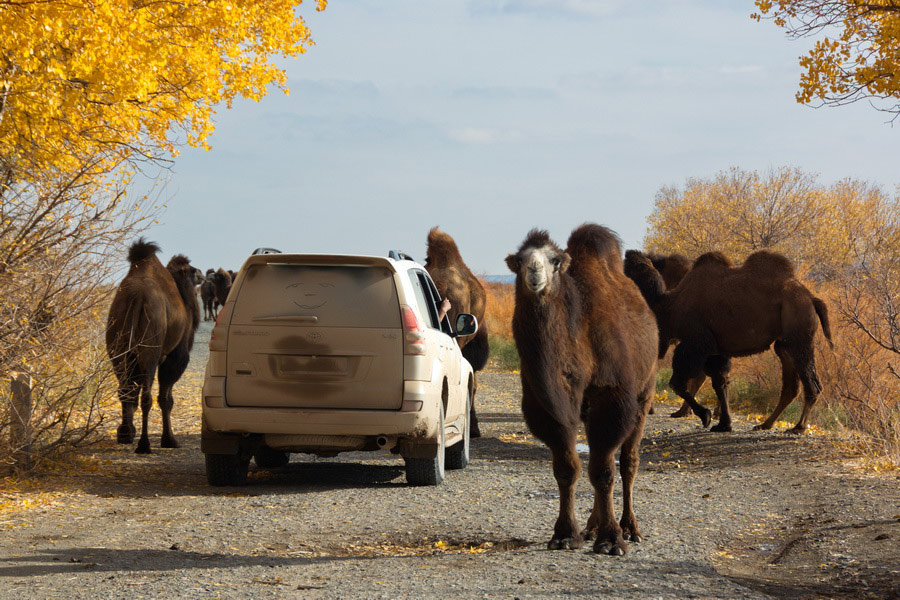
<point x="858" y="56"/>
<point x="113" y="78"/>
<point x="88" y="89"/>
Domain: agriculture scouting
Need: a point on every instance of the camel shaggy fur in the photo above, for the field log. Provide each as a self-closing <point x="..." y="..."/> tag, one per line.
<point x="719" y="311"/>
<point x="150" y="328"/>
<point x="587" y="344"/>
<point x="456" y="282"/>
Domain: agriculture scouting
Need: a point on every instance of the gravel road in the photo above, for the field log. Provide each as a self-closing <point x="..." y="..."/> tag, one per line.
<point x="738" y="515"/>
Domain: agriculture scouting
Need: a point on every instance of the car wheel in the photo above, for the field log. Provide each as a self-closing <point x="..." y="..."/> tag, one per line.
<point x="458" y="453"/>
<point x="267" y="458"/>
<point x="227" y="469"/>
<point x="428" y="471"/>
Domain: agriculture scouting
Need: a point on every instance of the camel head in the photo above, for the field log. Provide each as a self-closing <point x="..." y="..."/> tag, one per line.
<point x="539" y="263"/>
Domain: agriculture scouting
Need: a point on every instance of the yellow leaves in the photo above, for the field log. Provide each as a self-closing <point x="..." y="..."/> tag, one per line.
<point x="81" y="76"/>
<point x="862" y="61"/>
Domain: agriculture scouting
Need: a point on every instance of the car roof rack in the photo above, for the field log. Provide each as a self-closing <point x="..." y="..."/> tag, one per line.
<point x="266" y="251"/>
<point x="397" y="255"/>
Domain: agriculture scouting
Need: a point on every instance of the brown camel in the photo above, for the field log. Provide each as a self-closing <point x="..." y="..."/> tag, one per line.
<point x="673" y="268"/>
<point x="222" y="285"/>
<point x="150" y="328"/>
<point x="587" y="345"/>
<point x="208" y="297"/>
<point x="455" y="281"/>
<point x="719" y="311"/>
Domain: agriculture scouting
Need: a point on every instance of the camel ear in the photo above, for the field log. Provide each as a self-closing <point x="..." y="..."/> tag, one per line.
<point x="512" y="261"/>
<point x="565" y="261"/>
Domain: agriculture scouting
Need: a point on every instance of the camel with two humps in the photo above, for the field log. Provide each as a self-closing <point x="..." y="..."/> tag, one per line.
<point x="150" y="329"/>
<point x="587" y="343"/>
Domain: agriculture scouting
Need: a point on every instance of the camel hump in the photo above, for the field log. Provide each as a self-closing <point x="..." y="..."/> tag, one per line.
<point x="771" y="263"/>
<point x="597" y="241"/>
<point x="141" y="250"/>
<point x="712" y="259"/>
<point x="179" y="261"/>
<point x="442" y="249"/>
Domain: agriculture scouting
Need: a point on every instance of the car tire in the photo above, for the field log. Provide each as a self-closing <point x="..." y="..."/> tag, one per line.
<point x="227" y="469"/>
<point x="458" y="454"/>
<point x="429" y="471"/>
<point x="267" y="458"/>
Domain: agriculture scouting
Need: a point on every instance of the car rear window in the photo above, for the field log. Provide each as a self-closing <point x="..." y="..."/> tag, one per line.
<point x="318" y="295"/>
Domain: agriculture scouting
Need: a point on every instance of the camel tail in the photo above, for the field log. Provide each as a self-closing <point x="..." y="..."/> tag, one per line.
<point x="478" y="349"/>
<point x="141" y="249"/>
<point x="822" y="311"/>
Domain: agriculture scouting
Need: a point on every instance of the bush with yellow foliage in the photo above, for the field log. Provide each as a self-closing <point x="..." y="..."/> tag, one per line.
<point x="845" y="241"/>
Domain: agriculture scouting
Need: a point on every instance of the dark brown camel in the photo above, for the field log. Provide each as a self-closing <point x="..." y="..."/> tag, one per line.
<point x="455" y="281"/>
<point x="673" y="268"/>
<point x="208" y="297"/>
<point x="587" y="345"/>
<point x="222" y="285"/>
<point x="151" y="325"/>
<point x="723" y="311"/>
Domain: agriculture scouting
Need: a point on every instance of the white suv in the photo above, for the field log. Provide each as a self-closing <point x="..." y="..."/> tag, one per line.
<point x="334" y="353"/>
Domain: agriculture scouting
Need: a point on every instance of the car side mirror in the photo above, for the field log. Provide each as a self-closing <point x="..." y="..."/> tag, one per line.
<point x="466" y="324"/>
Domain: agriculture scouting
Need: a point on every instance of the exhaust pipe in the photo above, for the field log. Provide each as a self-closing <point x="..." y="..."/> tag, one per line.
<point x="386" y="442"/>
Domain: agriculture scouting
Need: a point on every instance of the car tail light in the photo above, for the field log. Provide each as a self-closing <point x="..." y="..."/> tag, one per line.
<point x="218" y="344"/>
<point x="413" y="334"/>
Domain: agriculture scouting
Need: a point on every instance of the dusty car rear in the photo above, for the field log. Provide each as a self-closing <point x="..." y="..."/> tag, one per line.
<point x="324" y="354"/>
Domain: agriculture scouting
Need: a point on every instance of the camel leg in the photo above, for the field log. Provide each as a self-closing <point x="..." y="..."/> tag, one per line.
<point x="720" y="385"/>
<point x="170" y="370"/>
<point x="629" y="461"/>
<point x="687" y="364"/>
<point x="790" y="385"/>
<point x="474" y="430"/>
<point x="128" y="396"/>
<point x="143" y="446"/>
<point x="811" y="388"/>
<point x="607" y="428"/>
<point x="694" y="386"/>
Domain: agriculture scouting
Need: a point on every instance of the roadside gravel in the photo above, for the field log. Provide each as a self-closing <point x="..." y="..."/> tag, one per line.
<point x="740" y="515"/>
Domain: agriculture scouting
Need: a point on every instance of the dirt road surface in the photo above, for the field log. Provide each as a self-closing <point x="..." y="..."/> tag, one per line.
<point x="737" y="515"/>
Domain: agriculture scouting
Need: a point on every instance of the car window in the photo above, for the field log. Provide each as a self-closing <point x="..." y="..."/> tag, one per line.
<point x="423" y="299"/>
<point x="336" y="295"/>
<point x="445" y="323"/>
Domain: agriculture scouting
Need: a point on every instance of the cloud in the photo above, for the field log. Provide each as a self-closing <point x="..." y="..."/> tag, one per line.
<point x="483" y="136"/>
<point x="503" y="93"/>
<point x="569" y="8"/>
<point x="666" y="77"/>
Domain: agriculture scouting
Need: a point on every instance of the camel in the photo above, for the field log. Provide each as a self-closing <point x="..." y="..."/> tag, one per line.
<point x="455" y="281"/>
<point x="222" y="285"/>
<point x="151" y="325"/>
<point x="587" y="344"/>
<point x="672" y="268"/>
<point x="719" y="311"/>
<point x="208" y="297"/>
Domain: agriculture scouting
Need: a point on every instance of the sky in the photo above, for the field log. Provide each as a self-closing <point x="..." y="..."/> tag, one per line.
<point x="490" y="117"/>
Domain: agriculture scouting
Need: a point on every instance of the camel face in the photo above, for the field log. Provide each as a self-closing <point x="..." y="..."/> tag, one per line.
<point x="539" y="269"/>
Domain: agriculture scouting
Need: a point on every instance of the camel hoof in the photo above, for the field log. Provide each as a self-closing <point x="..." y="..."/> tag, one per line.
<point x="797" y="430"/>
<point x="632" y="536"/>
<point x="681" y="412"/>
<point x="762" y="427"/>
<point x="169" y="443"/>
<point x="569" y="543"/>
<point x="721" y="427"/>
<point x="143" y="447"/>
<point x="611" y="548"/>
<point x="705" y="417"/>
